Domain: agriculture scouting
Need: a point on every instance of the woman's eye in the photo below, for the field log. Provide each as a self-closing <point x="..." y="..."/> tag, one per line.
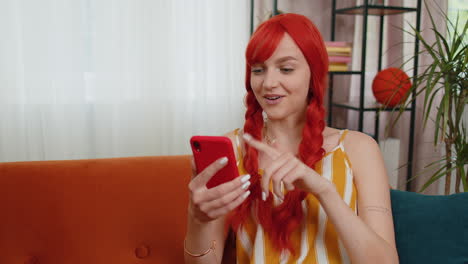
<point x="287" y="70"/>
<point x="257" y="70"/>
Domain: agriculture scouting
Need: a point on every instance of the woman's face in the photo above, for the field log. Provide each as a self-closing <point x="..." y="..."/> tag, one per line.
<point x="281" y="83"/>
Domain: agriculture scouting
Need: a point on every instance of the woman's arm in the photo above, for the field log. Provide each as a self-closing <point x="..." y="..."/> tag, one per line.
<point x="200" y="237"/>
<point x="369" y="237"/>
<point x="207" y="213"/>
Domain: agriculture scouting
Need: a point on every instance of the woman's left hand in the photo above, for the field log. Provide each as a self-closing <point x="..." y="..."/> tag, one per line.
<point x="286" y="168"/>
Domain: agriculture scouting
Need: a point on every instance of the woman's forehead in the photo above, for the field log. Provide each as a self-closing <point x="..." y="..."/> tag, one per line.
<point x="287" y="50"/>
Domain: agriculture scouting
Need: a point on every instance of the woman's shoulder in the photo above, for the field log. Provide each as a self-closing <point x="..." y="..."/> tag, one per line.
<point x="349" y="139"/>
<point x="360" y="149"/>
<point x="355" y="140"/>
<point x="235" y="136"/>
<point x="233" y="133"/>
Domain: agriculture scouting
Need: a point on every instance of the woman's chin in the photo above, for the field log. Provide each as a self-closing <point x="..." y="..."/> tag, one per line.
<point x="275" y="116"/>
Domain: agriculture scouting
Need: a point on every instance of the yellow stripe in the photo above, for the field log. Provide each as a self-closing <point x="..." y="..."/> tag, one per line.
<point x="339" y="170"/>
<point x="331" y="236"/>
<point x="251" y="229"/>
<point x="271" y="255"/>
<point x="296" y="241"/>
<point x="240" y="157"/>
<point x="312" y="220"/>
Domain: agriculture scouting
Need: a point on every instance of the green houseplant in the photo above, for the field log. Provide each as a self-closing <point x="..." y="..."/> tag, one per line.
<point x="445" y="78"/>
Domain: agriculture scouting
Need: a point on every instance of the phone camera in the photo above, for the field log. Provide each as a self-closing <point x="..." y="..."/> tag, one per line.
<point x="196" y="145"/>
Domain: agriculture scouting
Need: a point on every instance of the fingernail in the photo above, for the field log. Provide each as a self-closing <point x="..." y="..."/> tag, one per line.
<point x="245" y="185"/>
<point x="263" y="196"/>
<point x="223" y="161"/>
<point x="245" y="178"/>
<point x="247" y="136"/>
<point x="247" y="193"/>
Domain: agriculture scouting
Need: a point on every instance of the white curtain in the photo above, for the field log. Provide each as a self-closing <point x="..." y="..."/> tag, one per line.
<point x="113" y="78"/>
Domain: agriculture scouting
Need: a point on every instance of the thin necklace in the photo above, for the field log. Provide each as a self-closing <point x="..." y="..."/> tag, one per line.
<point x="269" y="140"/>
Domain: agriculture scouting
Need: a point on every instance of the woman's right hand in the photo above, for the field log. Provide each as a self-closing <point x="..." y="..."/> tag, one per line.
<point x="209" y="204"/>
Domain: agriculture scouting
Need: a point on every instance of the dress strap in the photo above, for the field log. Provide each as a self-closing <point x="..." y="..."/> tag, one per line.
<point x="238" y="146"/>
<point x="342" y="137"/>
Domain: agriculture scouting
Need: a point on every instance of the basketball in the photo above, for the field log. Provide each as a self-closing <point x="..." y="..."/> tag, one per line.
<point x="390" y="86"/>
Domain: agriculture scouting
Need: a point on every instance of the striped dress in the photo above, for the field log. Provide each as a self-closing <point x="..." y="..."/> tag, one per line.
<point x="316" y="241"/>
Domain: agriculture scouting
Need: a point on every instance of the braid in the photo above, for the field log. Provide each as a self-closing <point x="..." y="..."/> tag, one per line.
<point x="253" y="125"/>
<point x="310" y="149"/>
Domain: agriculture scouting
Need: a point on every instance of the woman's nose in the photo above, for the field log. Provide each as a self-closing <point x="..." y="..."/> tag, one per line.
<point x="271" y="79"/>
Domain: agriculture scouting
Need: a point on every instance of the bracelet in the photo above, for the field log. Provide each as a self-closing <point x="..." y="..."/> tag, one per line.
<point x="213" y="244"/>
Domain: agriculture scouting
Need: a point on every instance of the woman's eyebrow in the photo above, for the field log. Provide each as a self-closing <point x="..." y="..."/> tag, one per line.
<point x="280" y="60"/>
<point x="286" y="58"/>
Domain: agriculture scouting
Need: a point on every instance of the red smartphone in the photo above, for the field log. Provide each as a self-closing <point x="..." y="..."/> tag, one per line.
<point x="207" y="149"/>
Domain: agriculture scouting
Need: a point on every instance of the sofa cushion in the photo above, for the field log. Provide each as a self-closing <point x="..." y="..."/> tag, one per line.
<point x="430" y="229"/>
<point x="118" y="210"/>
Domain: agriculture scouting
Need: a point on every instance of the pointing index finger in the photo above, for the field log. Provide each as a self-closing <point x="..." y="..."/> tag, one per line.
<point x="271" y="152"/>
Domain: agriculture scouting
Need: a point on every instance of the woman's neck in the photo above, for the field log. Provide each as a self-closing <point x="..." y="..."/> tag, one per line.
<point x="285" y="134"/>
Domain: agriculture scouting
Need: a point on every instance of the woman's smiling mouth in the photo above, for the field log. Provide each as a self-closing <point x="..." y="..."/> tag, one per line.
<point x="273" y="98"/>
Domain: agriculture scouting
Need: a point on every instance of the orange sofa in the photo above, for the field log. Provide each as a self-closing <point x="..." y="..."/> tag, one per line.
<point x="134" y="210"/>
<point x="100" y="211"/>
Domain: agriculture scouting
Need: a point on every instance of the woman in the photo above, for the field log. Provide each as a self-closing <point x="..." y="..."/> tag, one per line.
<point x="307" y="193"/>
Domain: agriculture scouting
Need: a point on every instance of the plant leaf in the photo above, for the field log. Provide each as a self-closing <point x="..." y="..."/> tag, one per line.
<point x="434" y="28"/>
<point x="435" y="177"/>
<point x="463" y="178"/>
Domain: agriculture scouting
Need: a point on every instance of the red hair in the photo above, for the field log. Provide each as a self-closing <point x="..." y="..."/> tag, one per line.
<point x="280" y="222"/>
